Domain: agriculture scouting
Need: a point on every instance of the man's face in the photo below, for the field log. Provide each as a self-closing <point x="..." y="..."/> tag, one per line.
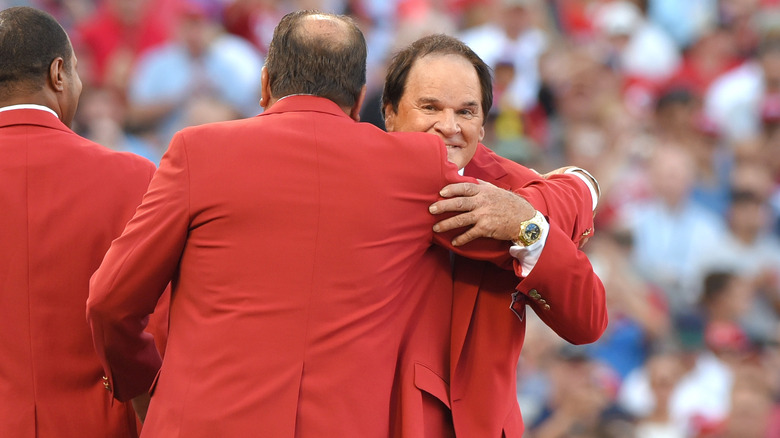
<point x="443" y="97"/>
<point x="70" y="97"/>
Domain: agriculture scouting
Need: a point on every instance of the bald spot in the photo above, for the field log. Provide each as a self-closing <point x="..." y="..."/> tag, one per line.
<point x="325" y="31"/>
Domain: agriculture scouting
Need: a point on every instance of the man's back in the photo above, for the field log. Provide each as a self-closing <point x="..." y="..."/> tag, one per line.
<point x="63" y="200"/>
<point x="293" y="240"/>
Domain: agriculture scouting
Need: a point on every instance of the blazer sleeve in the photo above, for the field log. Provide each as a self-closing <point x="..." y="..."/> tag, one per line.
<point x="566" y="200"/>
<point x="562" y="288"/>
<point x="138" y="266"/>
<point x="565" y="292"/>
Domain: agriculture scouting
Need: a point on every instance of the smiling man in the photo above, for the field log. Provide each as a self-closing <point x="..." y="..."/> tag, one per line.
<point x="472" y="337"/>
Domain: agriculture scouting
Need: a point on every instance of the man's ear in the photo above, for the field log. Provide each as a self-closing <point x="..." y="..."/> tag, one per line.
<point x="355" y="112"/>
<point x="265" y="89"/>
<point x="56" y="78"/>
<point x="389" y="116"/>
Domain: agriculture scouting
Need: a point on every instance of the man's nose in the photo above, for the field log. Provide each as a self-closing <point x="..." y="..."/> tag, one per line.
<point x="447" y="124"/>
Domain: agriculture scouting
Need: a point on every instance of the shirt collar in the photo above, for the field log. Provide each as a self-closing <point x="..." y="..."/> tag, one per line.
<point x="291" y="95"/>
<point x="28" y="106"/>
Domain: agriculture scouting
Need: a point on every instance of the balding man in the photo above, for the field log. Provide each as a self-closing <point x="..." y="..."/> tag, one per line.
<point x="297" y="242"/>
<point x="63" y="199"/>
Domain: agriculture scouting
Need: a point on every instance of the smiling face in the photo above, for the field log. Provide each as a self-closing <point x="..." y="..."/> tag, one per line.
<point x="442" y="96"/>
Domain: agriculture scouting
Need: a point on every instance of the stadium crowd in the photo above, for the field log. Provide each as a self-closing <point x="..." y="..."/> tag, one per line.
<point x="674" y="106"/>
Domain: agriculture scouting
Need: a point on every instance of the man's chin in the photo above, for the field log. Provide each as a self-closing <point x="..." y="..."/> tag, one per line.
<point x="455" y="156"/>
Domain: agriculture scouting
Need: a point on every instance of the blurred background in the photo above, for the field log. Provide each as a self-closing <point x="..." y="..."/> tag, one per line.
<point x="674" y="105"/>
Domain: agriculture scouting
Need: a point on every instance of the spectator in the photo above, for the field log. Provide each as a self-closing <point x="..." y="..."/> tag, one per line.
<point x="753" y="407"/>
<point x="110" y="41"/>
<point x="686" y="22"/>
<point x="702" y="393"/>
<point x="734" y="101"/>
<point x="637" y="47"/>
<point x="582" y="393"/>
<point x="100" y="119"/>
<point x="513" y="38"/>
<point x="638" y="316"/>
<point x="664" y="371"/>
<point x="670" y="231"/>
<point x="678" y="118"/>
<point x="202" y="62"/>
<point x="750" y="250"/>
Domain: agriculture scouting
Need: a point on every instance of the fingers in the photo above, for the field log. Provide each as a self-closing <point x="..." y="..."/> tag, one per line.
<point x="464" y="220"/>
<point x="483" y="184"/>
<point x="558" y="171"/>
<point x="459" y="221"/>
<point x="454" y="204"/>
<point x="462" y="197"/>
<point x="459" y="189"/>
<point x="466" y="237"/>
<point x="489" y="211"/>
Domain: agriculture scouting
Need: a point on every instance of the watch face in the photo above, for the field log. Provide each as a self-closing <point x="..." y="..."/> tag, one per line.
<point x="532" y="232"/>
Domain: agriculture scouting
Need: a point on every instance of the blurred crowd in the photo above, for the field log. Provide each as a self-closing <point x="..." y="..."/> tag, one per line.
<point x="674" y="106"/>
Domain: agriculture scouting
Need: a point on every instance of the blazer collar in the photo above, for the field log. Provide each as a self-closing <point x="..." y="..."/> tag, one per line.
<point x="305" y="103"/>
<point x="31" y="117"/>
<point x="485" y="166"/>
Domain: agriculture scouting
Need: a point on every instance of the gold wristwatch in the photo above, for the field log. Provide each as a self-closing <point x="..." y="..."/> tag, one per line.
<point x="530" y="230"/>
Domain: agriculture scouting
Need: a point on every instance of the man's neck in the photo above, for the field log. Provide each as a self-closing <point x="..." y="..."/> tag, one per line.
<point x="39" y="99"/>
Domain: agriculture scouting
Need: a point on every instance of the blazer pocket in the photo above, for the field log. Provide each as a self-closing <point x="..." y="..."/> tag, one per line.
<point x="425" y="379"/>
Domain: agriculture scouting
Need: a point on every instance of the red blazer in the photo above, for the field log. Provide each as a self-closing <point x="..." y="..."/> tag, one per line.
<point x="295" y="241"/>
<point x="473" y="350"/>
<point x="62" y="200"/>
<point x="562" y="289"/>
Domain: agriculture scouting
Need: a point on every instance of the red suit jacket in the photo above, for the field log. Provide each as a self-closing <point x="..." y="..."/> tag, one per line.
<point x="562" y="289"/>
<point x="459" y="367"/>
<point x="296" y="241"/>
<point x="62" y="200"/>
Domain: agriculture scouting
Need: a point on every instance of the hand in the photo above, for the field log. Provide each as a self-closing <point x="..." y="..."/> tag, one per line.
<point x="494" y="212"/>
<point x="562" y="170"/>
<point x="141" y="405"/>
<point x="558" y="171"/>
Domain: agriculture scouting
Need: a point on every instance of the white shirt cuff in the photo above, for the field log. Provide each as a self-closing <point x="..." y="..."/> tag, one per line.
<point x="594" y="191"/>
<point x="529" y="255"/>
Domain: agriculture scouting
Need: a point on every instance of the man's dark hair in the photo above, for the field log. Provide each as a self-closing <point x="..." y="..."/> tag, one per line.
<point x="301" y="62"/>
<point x="30" y="40"/>
<point x="715" y="285"/>
<point x="438" y="44"/>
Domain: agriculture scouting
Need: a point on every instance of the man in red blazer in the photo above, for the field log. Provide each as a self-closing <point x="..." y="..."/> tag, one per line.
<point x="439" y="85"/>
<point x="62" y="200"/>
<point x="296" y="241"/>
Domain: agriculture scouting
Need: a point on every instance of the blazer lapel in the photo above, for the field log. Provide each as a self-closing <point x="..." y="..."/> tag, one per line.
<point x="467" y="273"/>
<point x="485" y="167"/>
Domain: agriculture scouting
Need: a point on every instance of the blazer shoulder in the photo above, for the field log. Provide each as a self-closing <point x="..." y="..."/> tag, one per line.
<point x="417" y="143"/>
<point x="121" y="163"/>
